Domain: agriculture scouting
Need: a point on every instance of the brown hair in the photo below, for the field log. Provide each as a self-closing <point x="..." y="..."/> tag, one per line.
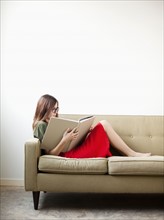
<point x="44" y="107"/>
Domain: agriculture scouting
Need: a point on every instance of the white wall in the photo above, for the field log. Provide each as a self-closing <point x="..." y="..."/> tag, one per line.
<point x="96" y="57"/>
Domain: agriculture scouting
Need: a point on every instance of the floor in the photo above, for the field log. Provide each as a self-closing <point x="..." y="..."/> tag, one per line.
<point x="16" y="204"/>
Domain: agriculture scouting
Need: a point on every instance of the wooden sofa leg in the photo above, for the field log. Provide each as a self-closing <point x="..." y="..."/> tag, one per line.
<point x="36" y="199"/>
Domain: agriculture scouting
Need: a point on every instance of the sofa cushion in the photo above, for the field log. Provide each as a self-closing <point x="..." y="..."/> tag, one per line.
<point x="120" y="165"/>
<point x="56" y="164"/>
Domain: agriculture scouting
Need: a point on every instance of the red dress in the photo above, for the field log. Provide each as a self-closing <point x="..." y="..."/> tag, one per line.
<point x="95" y="145"/>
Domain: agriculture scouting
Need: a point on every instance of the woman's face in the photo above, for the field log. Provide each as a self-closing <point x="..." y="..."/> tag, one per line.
<point x="54" y="112"/>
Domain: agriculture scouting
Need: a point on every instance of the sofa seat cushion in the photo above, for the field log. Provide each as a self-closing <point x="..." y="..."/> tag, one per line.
<point x="56" y="164"/>
<point x="153" y="165"/>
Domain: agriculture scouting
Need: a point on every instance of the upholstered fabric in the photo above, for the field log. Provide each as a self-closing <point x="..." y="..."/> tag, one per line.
<point x="153" y="165"/>
<point x="56" y="164"/>
<point x="99" y="183"/>
<point x="32" y="153"/>
<point x="141" y="133"/>
<point x="102" y="175"/>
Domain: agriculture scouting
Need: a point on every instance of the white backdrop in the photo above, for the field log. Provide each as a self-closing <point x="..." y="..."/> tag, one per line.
<point x="95" y="57"/>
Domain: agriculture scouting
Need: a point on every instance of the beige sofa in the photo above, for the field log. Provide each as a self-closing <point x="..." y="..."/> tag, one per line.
<point x="117" y="174"/>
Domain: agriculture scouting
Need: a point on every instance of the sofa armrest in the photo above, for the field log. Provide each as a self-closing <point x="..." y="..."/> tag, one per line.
<point x="32" y="154"/>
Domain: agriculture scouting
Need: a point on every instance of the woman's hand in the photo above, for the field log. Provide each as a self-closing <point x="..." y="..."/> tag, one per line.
<point x="91" y="128"/>
<point x="70" y="135"/>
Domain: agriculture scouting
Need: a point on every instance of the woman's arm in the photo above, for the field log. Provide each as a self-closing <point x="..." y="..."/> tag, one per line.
<point x="68" y="136"/>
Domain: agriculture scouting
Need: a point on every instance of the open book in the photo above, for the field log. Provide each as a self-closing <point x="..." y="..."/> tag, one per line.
<point x="57" y="126"/>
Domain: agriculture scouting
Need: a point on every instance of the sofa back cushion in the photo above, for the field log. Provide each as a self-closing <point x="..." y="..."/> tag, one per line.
<point x="141" y="133"/>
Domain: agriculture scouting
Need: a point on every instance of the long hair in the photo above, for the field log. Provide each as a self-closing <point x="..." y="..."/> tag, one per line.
<point x="44" y="107"/>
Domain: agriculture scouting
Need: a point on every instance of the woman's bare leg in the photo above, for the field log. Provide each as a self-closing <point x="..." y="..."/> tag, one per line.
<point x="118" y="143"/>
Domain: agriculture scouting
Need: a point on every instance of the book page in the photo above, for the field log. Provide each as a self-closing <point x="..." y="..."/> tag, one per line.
<point x="83" y="128"/>
<point x="56" y="128"/>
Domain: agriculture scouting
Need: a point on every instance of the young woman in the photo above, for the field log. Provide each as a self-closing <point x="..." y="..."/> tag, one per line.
<point x="96" y="144"/>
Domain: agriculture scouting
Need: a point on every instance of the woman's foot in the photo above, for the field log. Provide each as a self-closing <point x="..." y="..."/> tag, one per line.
<point x="138" y="154"/>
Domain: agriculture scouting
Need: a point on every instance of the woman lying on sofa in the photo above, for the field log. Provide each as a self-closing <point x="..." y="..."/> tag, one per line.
<point x="97" y="143"/>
